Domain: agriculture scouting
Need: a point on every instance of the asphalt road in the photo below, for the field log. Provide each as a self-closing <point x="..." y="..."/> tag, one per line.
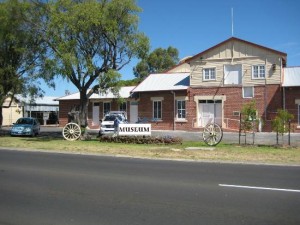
<point x="48" y="188"/>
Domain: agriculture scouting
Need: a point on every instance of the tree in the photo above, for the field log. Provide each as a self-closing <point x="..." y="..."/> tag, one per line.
<point x="281" y="122"/>
<point x="248" y="120"/>
<point x="20" y="53"/>
<point x="157" y="61"/>
<point x="89" y="41"/>
<point x="249" y="112"/>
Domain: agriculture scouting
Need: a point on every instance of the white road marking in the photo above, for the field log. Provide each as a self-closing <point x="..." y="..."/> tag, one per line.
<point x="259" y="188"/>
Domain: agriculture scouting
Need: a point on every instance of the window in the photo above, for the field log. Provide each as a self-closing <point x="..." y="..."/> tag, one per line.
<point x="209" y="74"/>
<point x="233" y="74"/>
<point x="157" y="110"/>
<point x="248" y="92"/>
<point x="123" y="106"/>
<point x="236" y="113"/>
<point x="106" y="107"/>
<point x="181" y="109"/>
<point x="258" y="72"/>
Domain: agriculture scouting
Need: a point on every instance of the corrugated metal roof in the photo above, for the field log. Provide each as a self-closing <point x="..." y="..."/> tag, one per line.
<point x="164" y="82"/>
<point x="291" y="77"/>
<point x="124" y="93"/>
<point x="46" y="100"/>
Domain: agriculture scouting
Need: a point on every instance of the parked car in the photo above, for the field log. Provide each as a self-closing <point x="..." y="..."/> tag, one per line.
<point x="26" y="126"/>
<point x="110" y="121"/>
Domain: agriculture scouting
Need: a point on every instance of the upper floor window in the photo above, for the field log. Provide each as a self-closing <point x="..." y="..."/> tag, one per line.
<point x="209" y="74"/>
<point x="233" y="74"/>
<point x="258" y="72"/>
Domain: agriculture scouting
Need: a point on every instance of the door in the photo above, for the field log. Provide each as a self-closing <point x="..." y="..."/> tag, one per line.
<point x="96" y="114"/>
<point x="233" y="74"/>
<point x="207" y="110"/>
<point x="133" y="112"/>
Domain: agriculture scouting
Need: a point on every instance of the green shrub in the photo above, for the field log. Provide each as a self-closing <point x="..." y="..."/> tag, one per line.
<point x="141" y="140"/>
<point x="281" y="121"/>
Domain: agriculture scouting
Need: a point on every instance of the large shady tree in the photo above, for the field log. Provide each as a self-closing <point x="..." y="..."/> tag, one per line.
<point x="21" y="52"/>
<point x="89" y="41"/>
<point x="159" y="60"/>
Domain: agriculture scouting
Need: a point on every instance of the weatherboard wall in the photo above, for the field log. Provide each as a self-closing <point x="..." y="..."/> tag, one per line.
<point x="236" y="53"/>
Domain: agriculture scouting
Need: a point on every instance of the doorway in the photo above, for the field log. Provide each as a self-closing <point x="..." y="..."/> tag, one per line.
<point x="96" y="114"/>
<point x="133" y="112"/>
<point x="209" y="111"/>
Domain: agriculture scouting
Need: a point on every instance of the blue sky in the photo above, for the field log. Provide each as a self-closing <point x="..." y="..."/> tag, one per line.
<point x="193" y="26"/>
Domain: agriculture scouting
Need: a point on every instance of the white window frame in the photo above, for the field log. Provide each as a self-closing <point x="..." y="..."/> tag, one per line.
<point x="229" y="77"/>
<point x="211" y="76"/>
<point x="181" y="110"/>
<point x="244" y="92"/>
<point x="156" y="110"/>
<point x="259" y="75"/>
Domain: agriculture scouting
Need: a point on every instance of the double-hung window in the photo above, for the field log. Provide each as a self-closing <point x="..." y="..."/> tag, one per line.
<point x="209" y="74"/>
<point x="181" y="110"/>
<point x="258" y="72"/>
<point x="157" y="114"/>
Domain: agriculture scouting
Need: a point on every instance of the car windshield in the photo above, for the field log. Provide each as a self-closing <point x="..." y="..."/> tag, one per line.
<point x="113" y="117"/>
<point x="110" y="118"/>
<point x="24" y="121"/>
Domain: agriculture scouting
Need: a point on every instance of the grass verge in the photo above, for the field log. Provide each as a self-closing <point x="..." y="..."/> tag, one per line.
<point x="222" y="152"/>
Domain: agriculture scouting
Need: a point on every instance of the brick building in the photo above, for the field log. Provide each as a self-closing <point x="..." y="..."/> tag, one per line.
<point x="210" y="86"/>
<point x="99" y="104"/>
<point x="291" y="94"/>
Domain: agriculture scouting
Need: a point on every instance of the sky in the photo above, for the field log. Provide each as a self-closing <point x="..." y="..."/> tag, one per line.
<point x="193" y="26"/>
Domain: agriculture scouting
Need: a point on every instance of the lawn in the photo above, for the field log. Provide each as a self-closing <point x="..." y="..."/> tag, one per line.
<point x="196" y="151"/>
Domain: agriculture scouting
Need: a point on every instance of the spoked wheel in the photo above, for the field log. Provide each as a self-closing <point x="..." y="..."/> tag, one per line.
<point x="71" y="131"/>
<point x="212" y="134"/>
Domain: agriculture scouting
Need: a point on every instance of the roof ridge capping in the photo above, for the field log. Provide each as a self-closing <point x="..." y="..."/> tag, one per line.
<point x="235" y="39"/>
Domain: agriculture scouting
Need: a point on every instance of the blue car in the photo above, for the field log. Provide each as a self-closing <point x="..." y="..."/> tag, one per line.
<point x="26" y="126"/>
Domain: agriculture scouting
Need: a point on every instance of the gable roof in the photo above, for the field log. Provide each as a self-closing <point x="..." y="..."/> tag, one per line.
<point x="291" y="77"/>
<point x="164" y="82"/>
<point x="124" y="93"/>
<point x="240" y="40"/>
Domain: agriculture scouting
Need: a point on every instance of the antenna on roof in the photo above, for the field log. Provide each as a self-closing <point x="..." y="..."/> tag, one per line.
<point x="232" y="22"/>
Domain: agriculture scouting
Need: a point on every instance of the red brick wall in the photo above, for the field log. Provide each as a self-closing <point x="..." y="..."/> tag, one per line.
<point x="145" y="110"/>
<point x="268" y="99"/>
<point x="65" y="107"/>
<point x="291" y="94"/>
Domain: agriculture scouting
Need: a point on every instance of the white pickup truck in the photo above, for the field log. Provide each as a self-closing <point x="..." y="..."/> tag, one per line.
<point x="109" y="123"/>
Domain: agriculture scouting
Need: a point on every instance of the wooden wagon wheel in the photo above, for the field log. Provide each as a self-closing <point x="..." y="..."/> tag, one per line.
<point x="71" y="131"/>
<point x="212" y="134"/>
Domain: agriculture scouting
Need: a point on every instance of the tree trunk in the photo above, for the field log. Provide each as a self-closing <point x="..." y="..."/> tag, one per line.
<point x="1" y="117"/>
<point x="83" y="109"/>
